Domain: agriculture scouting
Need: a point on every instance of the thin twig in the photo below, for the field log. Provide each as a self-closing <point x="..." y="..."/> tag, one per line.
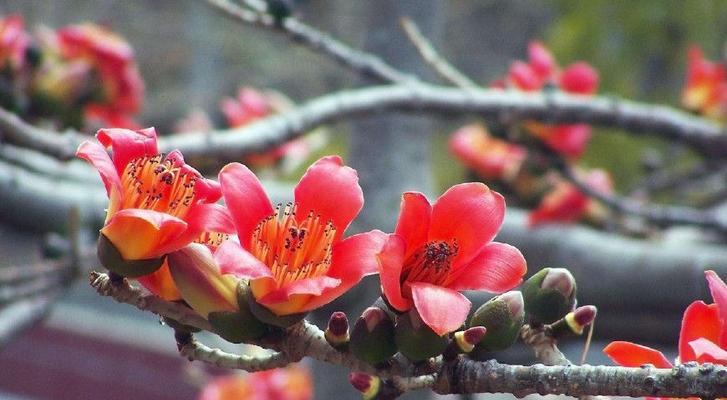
<point x="192" y="349"/>
<point x="430" y="55"/>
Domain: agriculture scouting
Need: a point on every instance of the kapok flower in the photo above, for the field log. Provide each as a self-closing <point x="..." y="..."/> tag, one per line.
<point x="289" y="383"/>
<point x="113" y="58"/>
<point x="13" y="42"/>
<point x="251" y="105"/>
<point x="705" y="88"/>
<point x="490" y="157"/>
<point x="565" y="203"/>
<point x="438" y="250"/>
<point x="157" y="203"/>
<point x="294" y="256"/>
<point x="703" y="335"/>
<point x="541" y="70"/>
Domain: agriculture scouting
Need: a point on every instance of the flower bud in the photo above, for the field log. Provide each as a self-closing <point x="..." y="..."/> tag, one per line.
<point x="368" y="385"/>
<point x="416" y="340"/>
<point x="574" y="322"/>
<point x="549" y="295"/>
<point x="337" y="330"/>
<point x="216" y="297"/>
<point x="464" y="341"/>
<point x="372" y="337"/>
<point x="503" y="317"/>
<point x="111" y="259"/>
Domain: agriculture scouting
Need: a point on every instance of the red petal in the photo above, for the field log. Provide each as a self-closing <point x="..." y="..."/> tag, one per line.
<point x="140" y="234"/>
<point x="498" y="268"/>
<point x="205" y="190"/>
<point x="719" y="293"/>
<point x="160" y="283"/>
<point x="330" y="189"/>
<point x="353" y="258"/>
<point x="569" y="140"/>
<point x="391" y="260"/>
<point x="95" y="154"/>
<point x="579" y="78"/>
<point x="700" y="321"/>
<point x="235" y="260"/>
<point x="127" y="145"/>
<point x="524" y="77"/>
<point x="472" y="214"/>
<point x="444" y="310"/>
<point x="629" y="354"/>
<point x="708" y="352"/>
<point x="245" y="198"/>
<point x="210" y="218"/>
<point x="540" y="59"/>
<point x="413" y="223"/>
<point x="319" y="286"/>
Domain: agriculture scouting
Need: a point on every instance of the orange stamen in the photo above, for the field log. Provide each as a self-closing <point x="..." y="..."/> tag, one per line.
<point x="155" y="183"/>
<point x="431" y="263"/>
<point x="293" y="250"/>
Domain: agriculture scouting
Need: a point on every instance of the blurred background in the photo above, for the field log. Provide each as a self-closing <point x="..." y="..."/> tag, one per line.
<point x="191" y="57"/>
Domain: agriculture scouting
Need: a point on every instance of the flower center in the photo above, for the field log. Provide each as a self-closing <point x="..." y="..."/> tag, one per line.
<point x="430" y="263"/>
<point x="293" y="250"/>
<point x="155" y="183"/>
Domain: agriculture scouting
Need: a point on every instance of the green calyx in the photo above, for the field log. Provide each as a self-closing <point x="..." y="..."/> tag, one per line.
<point x="502" y="327"/>
<point x="112" y="260"/>
<point x="264" y="315"/>
<point x="549" y="295"/>
<point x="372" y="337"/>
<point x="239" y="326"/>
<point x="416" y="340"/>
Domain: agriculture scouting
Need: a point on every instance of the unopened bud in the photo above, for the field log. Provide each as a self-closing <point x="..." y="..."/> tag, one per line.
<point x="549" y="295"/>
<point x="503" y="317"/>
<point x="337" y="330"/>
<point x="464" y="341"/>
<point x="574" y="322"/>
<point x="368" y="385"/>
<point x="111" y="259"/>
<point x="372" y="337"/>
<point x="416" y="340"/>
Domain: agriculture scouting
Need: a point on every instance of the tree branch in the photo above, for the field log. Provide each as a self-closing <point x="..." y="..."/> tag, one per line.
<point x="193" y="350"/>
<point x="460" y="376"/>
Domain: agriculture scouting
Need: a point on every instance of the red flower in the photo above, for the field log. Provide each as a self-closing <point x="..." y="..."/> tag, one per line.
<point x="289" y="383"/>
<point x="705" y="89"/>
<point x="294" y="255"/>
<point x="113" y="59"/>
<point x="703" y="336"/>
<point x="157" y="203"/>
<point x="438" y="250"/>
<point x="565" y="203"/>
<point x="490" y="157"/>
<point x="540" y="70"/>
<point x="13" y="42"/>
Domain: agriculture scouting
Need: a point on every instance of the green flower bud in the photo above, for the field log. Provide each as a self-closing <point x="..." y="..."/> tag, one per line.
<point x="372" y="337"/>
<point x="503" y="317"/>
<point x="549" y="295"/>
<point x="336" y="333"/>
<point x="111" y="259"/>
<point x="239" y="326"/>
<point x="416" y="340"/>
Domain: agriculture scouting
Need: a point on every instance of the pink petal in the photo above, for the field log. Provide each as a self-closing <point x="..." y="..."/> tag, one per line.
<point x="391" y="261"/>
<point x="353" y="258"/>
<point x="444" y="310"/>
<point x="700" y="321"/>
<point x="245" y="198"/>
<point x="205" y="190"/>
<point x="210" y="217"/>
<point x="413" y="223"/>
<point x="97" y="156"/>
<point x="719" y="293"/>
<point x="330" y="189"/>
<point x="235" y="260"/>
<point x="708" y="352"/>
<point x="127" y="145"/>
<point x="579" y="78"/>
<point x="569" y="140"/>
<point x="318" y="286"/>
<point x="629" y="354"/>
<point x="498" y="268"/>
<point x="472" y="214"/>
<point x="540" y="60"/>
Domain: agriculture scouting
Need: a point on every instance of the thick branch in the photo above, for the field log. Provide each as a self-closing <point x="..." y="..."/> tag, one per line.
<point x="460" y="376"/>
<point x="193" y="350"/>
